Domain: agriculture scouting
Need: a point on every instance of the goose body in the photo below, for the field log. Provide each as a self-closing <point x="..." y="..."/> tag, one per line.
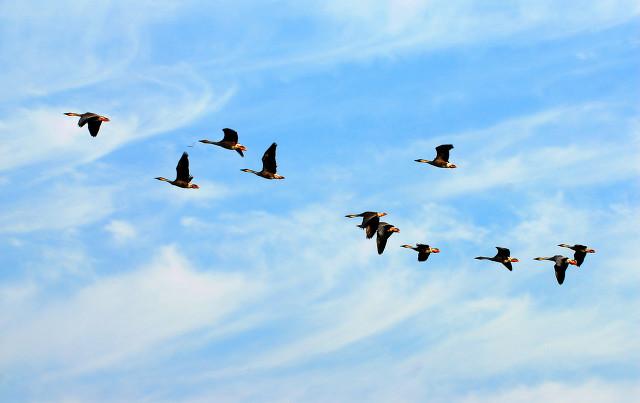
<point x="183" y="178"/>
<point x="423" y="251"/>
<point x="370" y="221"/>
<point x="503" y="256"/>
<point x="442" y="157"/>
<point x="93" y="120"/>
<point x="561" y="263"/>
<point x="268" y="165"/>
<point x="384" y="231"/>
<point x="229" y="141"/>
<point x="580" y="252"/>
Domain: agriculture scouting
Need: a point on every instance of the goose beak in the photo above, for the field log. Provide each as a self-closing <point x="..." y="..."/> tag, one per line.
<point x="514" y="260"/>
<point x="394" y="229"/>
<point x="591" y="251"/>
<point x="103" y="118"/>
<point x="194" y="186"/>
<point x="382" y="214"/>
<point x="573" y="262"/>
<point x="435" y="250"/>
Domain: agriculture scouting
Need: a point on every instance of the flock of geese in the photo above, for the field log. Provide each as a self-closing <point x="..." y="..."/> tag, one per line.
<point x="370" y="219"/>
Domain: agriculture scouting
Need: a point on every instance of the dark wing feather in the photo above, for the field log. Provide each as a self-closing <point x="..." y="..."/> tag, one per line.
<point x="423" y="256"/>
<point x="94" y="126"/>
<point x="381" y="241"/>
<point x="230" y="135"/>
<point x="560" y="274"/>
<point x="579" y="257"/>
<point x="239" y="151"/>
<point x="370" y="230"/>
<point x="442" y="152"/>
<point x="382" y="236"/>
<point x="182" y="169"/>
<point x="508" y="265"/>
<point x="269" y="159"/>
<point x="503" y="252"/>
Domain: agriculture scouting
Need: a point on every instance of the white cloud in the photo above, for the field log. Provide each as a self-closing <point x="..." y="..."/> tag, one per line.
<point x="589" y="391"/>
<point x="118" y="317"/>
<point x="121" y="231"/>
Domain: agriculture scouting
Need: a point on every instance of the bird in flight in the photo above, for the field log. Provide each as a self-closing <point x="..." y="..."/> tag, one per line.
<point x="423" y="251"/>
<point x="370" y="221"/>
<point x="385" y="230"/>
<point x="442" y="157"/>
<point x="268" y="164"/>
<point x="561" y="263"/>
<point x="183" y="178"/>
<point x="229" y="141"/>
<point x="580" y="252"/>
<point x="503" y="256"/>
<point x="92" y="119"/>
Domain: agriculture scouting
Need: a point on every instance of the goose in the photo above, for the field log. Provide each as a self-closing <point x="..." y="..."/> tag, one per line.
<point x="268" y="164"/>
<point x="423" y="251"/>
<point x="183" y="179"/>
<point x="503" y="256"/>
<point x="370" y="221"/>
<point x="385" y="230"/>
<point x="94" y="120"/>
<point x="561" y="263"/>
<point x="229" y="141"/>
<point x="580" y="252"/>
<point x="442" y="157"/>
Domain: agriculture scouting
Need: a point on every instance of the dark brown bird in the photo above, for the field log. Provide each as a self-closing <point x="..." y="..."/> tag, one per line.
<point x="94" y="121"/>
<point x="268" y="164"/>
<point x="423" y="251"/>
<point x="229" y="141"/>
<point x="503" y="256"/>
<point x="183" y="178"/>
<point x="442" y="157"/>
<point x="580" y="252"/>
<point x="561" y="263"/>
<point x="370" y="221"/>
<point x="385" y="230"/>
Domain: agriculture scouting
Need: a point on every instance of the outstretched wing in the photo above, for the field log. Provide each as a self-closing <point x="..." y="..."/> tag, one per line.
<point x="182" y="169"/>
<point x="94" y="126"/>
<point x="508" y="265"/>
<point x="560" y="274"/>
<point x="269" y="159"/>
<point x="381" y="241"/>
<point x="230" y="135"/>
<point x="579" y="257"/>
<point x="423" y="256"/>
<point x="442" y="152"/>
<point x="503" y="253"/>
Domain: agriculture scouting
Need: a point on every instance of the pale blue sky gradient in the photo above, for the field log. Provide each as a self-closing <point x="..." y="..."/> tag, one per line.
<point x="115" y="287"/>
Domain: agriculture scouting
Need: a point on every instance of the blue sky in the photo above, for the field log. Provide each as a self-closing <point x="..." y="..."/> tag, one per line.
<point x="115" y="287"/>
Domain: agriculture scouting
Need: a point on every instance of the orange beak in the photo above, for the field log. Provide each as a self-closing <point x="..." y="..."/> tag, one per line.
<point x="394" y="229"/>
<point x="591" y="251"/>
<point x="104" y="119"/>
<point x="382" y="214"/>
<point x="514" y="260"/>
<point x="435" y="250"/>
<point x="453" y="166"/>
<point x="194" y="186"/>
<point x="573" y="262"/>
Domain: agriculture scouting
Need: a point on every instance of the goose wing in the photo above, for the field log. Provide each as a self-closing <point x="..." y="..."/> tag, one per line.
<point x="560" y="272"/>
<point x="230" y="136"/>
<point x="442" y="152"/>
<point x="382" y="236"/>
<point x="503" y="252"/>
<point x="182" y="169"/>
<point x="94" y="126"/>
<point x="269" y="159"/>
<point x="579" y="256"/>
